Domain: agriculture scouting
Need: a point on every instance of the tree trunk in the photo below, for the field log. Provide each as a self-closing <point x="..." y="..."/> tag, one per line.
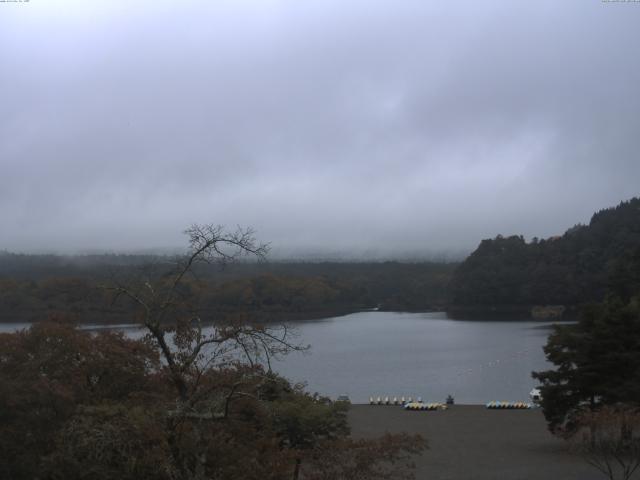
<point x="296" y="470"/>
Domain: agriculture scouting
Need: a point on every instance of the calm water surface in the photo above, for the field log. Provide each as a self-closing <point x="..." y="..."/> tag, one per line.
<point x="412" y="354"/>
<point x="418" y="354"/>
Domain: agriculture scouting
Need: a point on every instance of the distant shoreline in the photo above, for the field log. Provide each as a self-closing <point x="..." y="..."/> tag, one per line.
<point x="508" y="312"/>
<point x="501" y="313"/>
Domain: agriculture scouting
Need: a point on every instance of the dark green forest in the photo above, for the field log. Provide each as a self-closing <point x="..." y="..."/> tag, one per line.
<point x="34" y="286"/>
<point x="570" y="270"/>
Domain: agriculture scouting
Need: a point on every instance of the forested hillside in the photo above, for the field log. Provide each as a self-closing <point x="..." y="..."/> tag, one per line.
<point x="34" y="286"/>
<point x="575" y="268"/>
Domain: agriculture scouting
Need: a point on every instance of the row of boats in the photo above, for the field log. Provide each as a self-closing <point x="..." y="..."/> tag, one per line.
<point x="410" y="404"/>
<point x="425" y="406"/>
<point x="509" y="405"/>
<point x="418" y="404"/>
<point x="393" y="401"/>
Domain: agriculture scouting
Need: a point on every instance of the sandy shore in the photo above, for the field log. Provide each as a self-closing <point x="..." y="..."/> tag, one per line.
<point x="470" y="442"/>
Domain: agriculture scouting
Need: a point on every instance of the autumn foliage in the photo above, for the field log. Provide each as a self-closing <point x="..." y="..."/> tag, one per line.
<point x="75" y="404"/>
<point x="188" y="401"/>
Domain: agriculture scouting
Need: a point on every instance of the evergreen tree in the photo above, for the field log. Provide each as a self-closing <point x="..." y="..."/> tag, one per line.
<point x="597" y="363"/>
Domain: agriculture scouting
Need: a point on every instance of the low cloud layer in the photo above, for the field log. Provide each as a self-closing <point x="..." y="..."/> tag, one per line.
<point x="381" y="127"/>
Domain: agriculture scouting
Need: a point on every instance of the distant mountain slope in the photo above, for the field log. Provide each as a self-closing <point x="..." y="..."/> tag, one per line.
<point x="576" y="268"/>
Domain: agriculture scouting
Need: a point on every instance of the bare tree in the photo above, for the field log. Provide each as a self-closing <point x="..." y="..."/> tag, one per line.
<point x="174" y="322"/>
<point x="198" y="359"/>
<point x="609" y="440"/>
<point x="224" y="386"/>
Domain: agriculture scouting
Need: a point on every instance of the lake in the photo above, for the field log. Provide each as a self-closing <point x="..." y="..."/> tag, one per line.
<point x="413" y="354"/>
<point x="418" y="354"/>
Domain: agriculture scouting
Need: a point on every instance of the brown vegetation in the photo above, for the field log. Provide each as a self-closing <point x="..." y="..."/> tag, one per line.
<point x="183" y="403"/>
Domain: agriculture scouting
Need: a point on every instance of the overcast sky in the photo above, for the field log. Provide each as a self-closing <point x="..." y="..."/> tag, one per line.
<point x="383" y="126"/>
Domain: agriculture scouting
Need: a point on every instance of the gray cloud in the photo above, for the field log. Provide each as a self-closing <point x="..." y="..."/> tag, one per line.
<point x="362" y="126"/>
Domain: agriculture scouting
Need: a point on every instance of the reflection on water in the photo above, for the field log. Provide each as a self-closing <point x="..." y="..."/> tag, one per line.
<point x="410" y="354"/>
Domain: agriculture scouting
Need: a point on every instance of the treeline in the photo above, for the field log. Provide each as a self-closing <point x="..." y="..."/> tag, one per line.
<point x="34" y="286"/>
<point x="573" y="269"/>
